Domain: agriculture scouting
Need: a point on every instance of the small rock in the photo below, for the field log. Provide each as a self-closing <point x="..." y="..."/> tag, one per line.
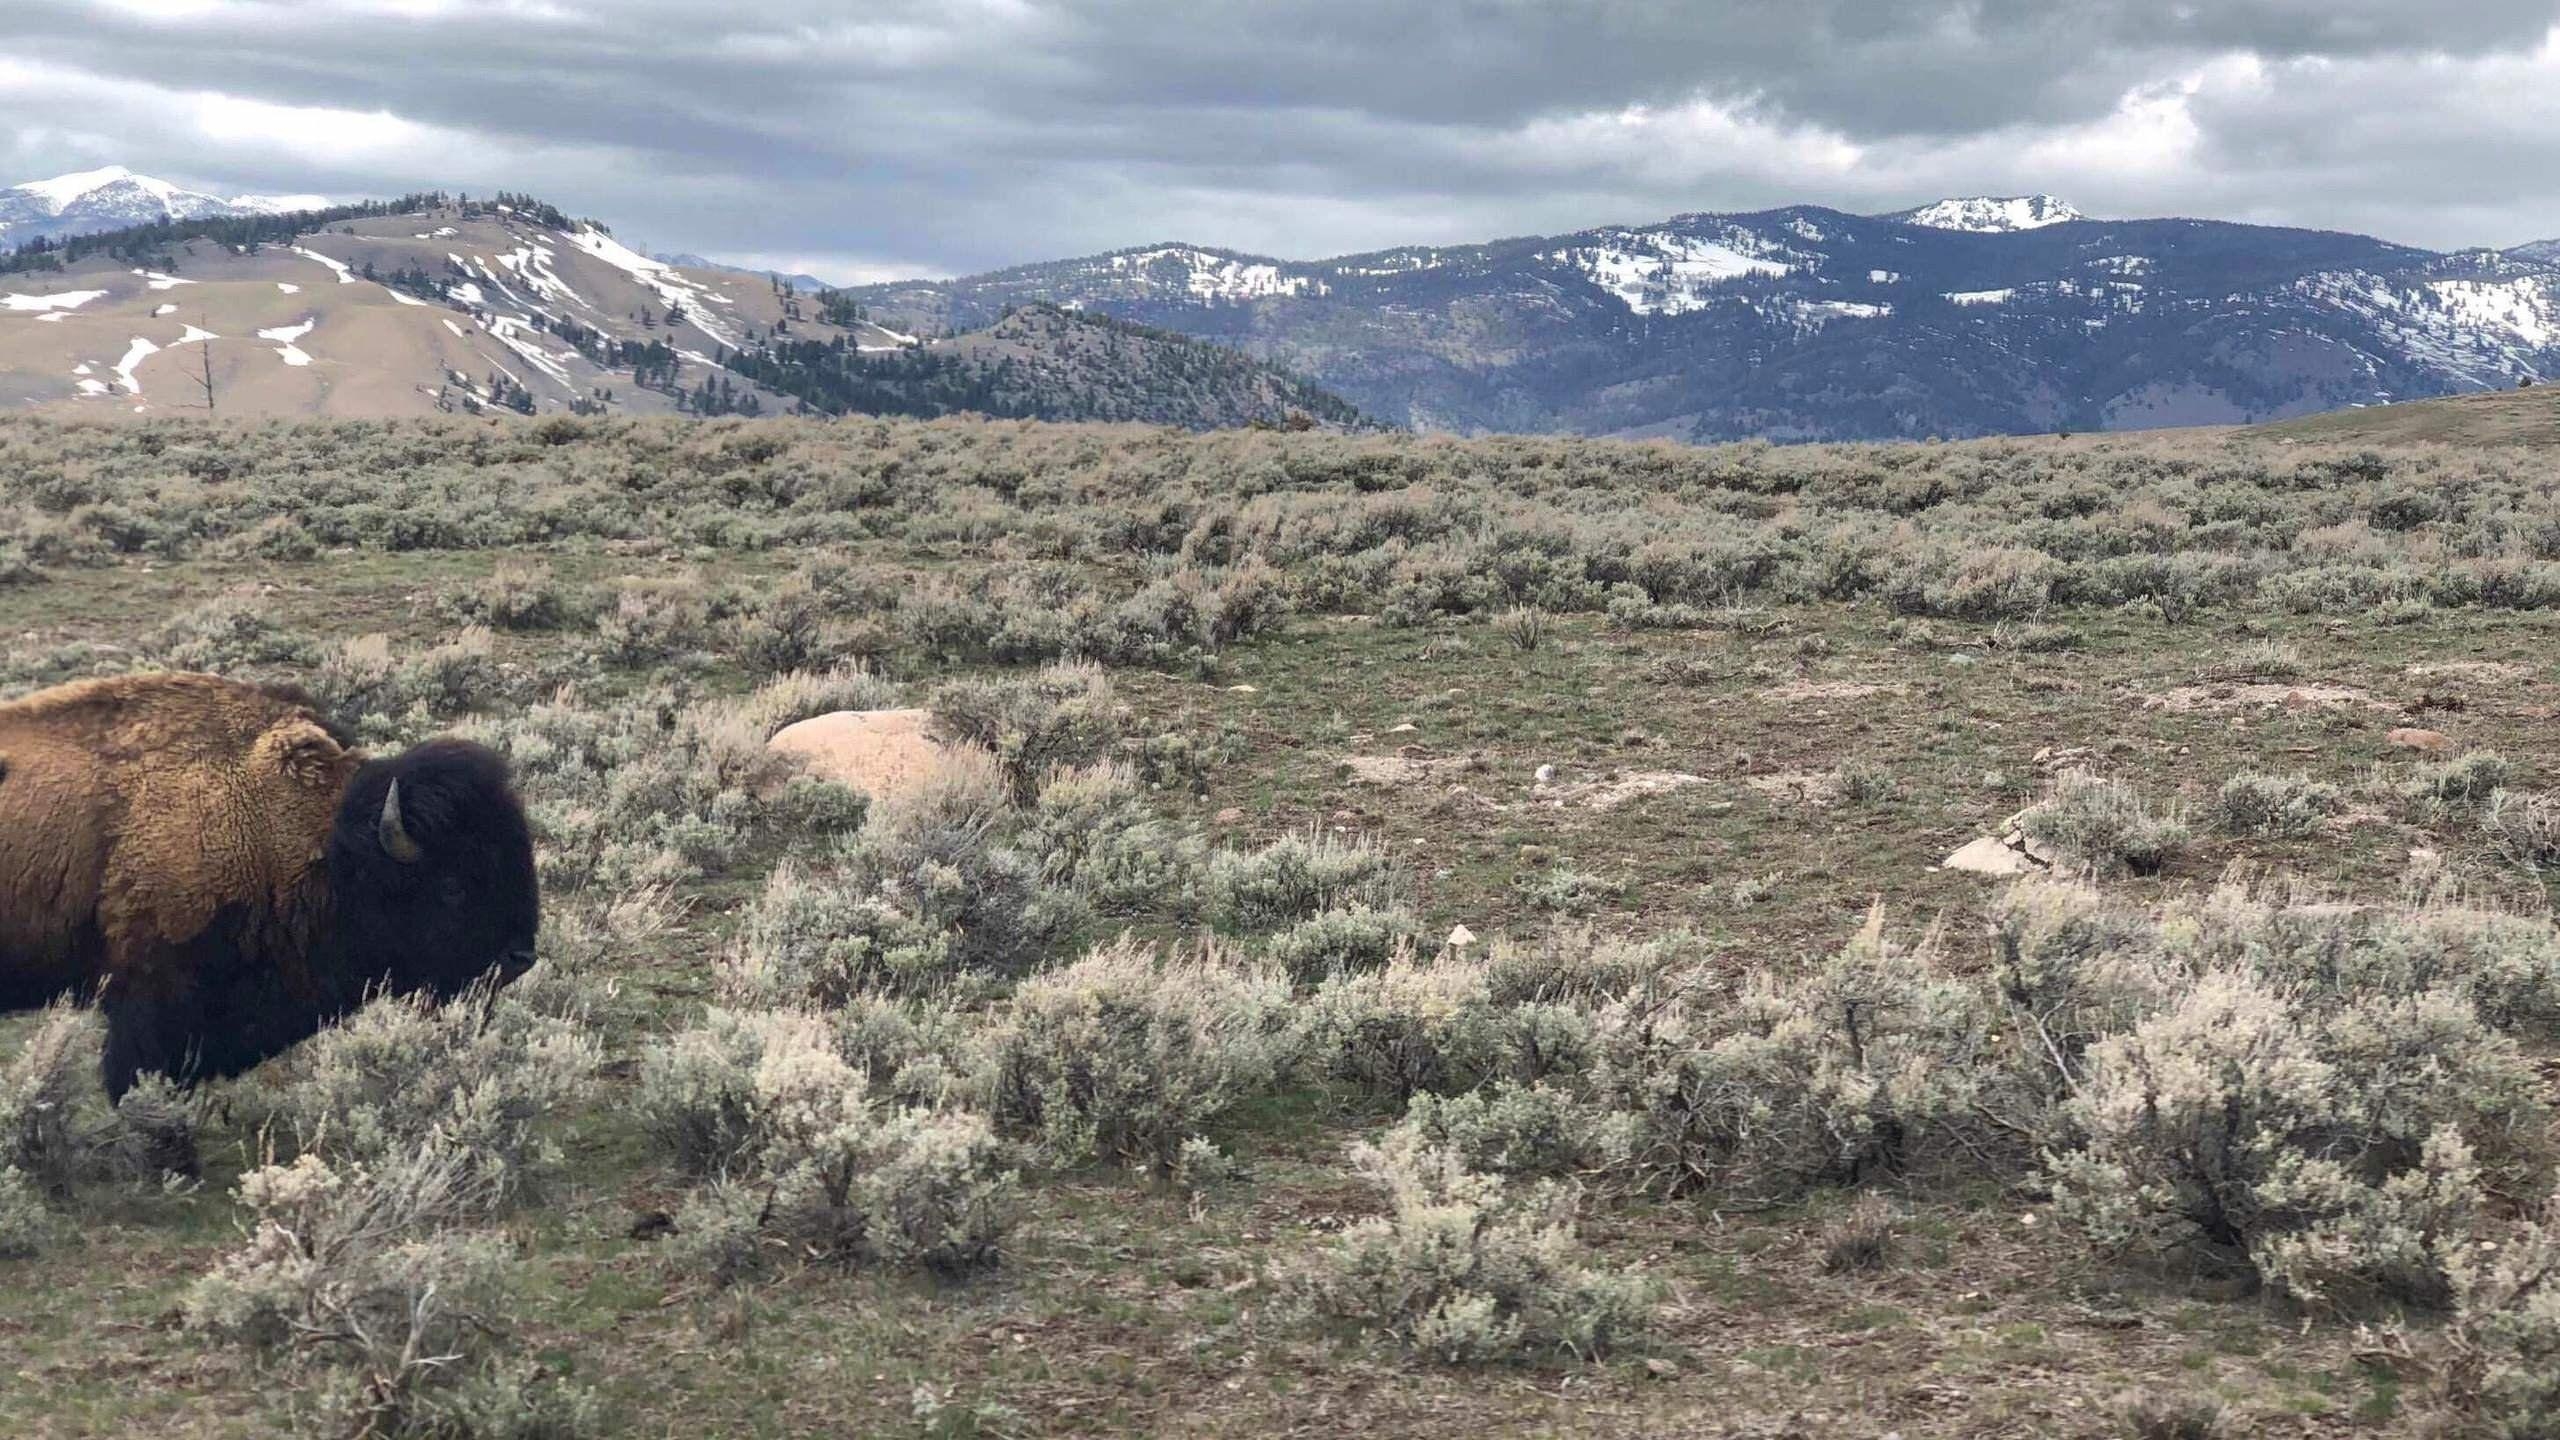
<point x="1546" y="774"/>
<point x="1406" y="728"/>
<point x="1230" y="816"/>
<point x="1460" y="937"/>
<point x="1661" y="1369"/>
<point x="2426" y="742"/>
<point x="1242" y="690"/>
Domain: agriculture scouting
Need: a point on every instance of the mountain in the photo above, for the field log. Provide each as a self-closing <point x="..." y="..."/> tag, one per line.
<point x="1994" y="316"/>
<point x="443" y="304"/>
<point x="2542" y="251"/>
<point x="1990" y="215"/>
<point x="1041" y="362"/>
<point x="797" y="280"/>
<point x="92" y="202"/>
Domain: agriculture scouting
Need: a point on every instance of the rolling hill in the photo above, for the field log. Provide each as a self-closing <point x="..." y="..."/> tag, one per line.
<point x="1966" y="317"/>
<point x="446" y="304"/>
<point x="2529" y="417"/>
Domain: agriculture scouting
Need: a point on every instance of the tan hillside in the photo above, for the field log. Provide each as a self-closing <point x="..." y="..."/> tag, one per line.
<point x="2498" y="417"/>
<point x="456" y="300"/>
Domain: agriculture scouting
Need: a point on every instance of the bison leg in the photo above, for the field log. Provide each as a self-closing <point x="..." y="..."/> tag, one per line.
<point x="146" y="1034"/>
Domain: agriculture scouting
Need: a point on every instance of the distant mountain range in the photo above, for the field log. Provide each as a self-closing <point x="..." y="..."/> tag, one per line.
<point x="1967" y="316"/>
<point x="93" y="202"/>
<point x="439" y="303"/>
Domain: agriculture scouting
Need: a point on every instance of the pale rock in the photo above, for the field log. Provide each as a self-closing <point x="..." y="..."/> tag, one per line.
<point x="1985" y="855"/>
<point x="1460" y="937"/>
<point x="886" y="754"/>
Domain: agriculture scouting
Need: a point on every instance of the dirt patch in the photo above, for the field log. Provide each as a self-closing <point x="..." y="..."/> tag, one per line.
<point x="1402" y="769"/>
<point x="1612" y="791"/>
<point x="2187" y="699"/>
<point x="2486" y="672"/>
<point x="1817" y="789"/>
<point x="1801" y="690"/>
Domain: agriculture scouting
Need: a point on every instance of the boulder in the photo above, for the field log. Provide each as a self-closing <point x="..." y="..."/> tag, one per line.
<point x="886" y="754"/>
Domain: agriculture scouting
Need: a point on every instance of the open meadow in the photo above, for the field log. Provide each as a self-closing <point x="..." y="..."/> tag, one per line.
<point x="1404" y="937"/>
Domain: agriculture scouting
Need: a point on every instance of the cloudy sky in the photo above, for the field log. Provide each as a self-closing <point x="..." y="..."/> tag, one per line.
<point x="869" y="138"/>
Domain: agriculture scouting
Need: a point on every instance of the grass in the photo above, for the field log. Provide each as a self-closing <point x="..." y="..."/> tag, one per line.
<point x="1126" y="1306"/>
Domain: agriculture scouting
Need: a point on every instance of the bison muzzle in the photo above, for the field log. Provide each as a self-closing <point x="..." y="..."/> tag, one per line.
<point x="214" y="865"/>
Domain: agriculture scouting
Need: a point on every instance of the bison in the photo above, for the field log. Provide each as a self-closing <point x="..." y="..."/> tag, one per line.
<point x="215" y="866"/>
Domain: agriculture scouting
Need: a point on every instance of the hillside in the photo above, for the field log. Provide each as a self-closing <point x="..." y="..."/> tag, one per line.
<point x="1044" y="363"/>
<point x="455" y="305"/>
<point x="1968" y="317"/>
<point x="2499" y="417"/>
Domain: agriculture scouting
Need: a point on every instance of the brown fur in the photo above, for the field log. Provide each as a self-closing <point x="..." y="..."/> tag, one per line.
<point x="140" y="813"/>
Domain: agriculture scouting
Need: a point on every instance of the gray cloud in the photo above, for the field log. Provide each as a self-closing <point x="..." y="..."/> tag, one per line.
<point x="896" y="134"/>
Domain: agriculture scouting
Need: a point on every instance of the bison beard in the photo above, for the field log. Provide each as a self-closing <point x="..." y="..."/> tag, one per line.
<point x="212" y="865"/>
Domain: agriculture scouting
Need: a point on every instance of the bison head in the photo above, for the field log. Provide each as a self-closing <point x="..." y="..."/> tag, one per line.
<point x="431" y="872"/>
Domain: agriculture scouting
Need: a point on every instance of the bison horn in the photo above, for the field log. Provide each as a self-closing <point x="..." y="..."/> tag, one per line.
<point x="395" y="835"/>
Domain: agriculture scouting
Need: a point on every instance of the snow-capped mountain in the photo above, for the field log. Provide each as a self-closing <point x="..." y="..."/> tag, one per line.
<point x="89" y="202"/>
<point x="1990" y="214"/>
<point x="2544" y="251"/>
<point x="1966" y="317"/>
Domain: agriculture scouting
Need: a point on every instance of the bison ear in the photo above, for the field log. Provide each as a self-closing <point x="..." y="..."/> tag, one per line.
<point x="304" y="753"/>
<point x="394" y="831"/>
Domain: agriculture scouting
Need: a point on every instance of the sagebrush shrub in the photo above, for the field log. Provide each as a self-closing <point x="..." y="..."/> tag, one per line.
<point x="2104" y="825"/>
<point x="1097" y="836"/>
<point x="2330" y="1148"/>
<point x="480" y="1075"/>
<point x="368" y="682"/>
<point x="1875" y="1062"/>
<point x="363" y="1268"/>
<point x="1296" y="878"/>
<point x="518" y="595"/>
<point x="807" y="1160"/>
<point x="2505" y="1334"/>
<point x="1468" y="1269"/>
<point x="1337" y="941"/>
<point x="1508" y="1128"/>
<point x="1060" y="716"/>
<point x="1125" y="1054"/>
<point x="2252" y="803"/>
<point x="2524" y="828"/>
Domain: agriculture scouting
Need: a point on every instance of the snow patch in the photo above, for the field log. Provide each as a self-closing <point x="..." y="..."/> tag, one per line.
<point x="60" y="300"/>
<point x="1981" y="297"/>
<point x="1655" y="272"/>
<point x="159" y="310"/>
<point x="1992" y="214"/>
<point x="456" y="329"/>
<point x="288" y="289"/>
<point x="337" y="267"/>
<point x="671" y="287"/>
<point x="285" y="335"/>
<point x="1216" y="278"/>
<point x="134" y="355"/>
<point x="405" y="298"/>
<point x="158" y="281"/>
<point x="1884" y="277"/>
